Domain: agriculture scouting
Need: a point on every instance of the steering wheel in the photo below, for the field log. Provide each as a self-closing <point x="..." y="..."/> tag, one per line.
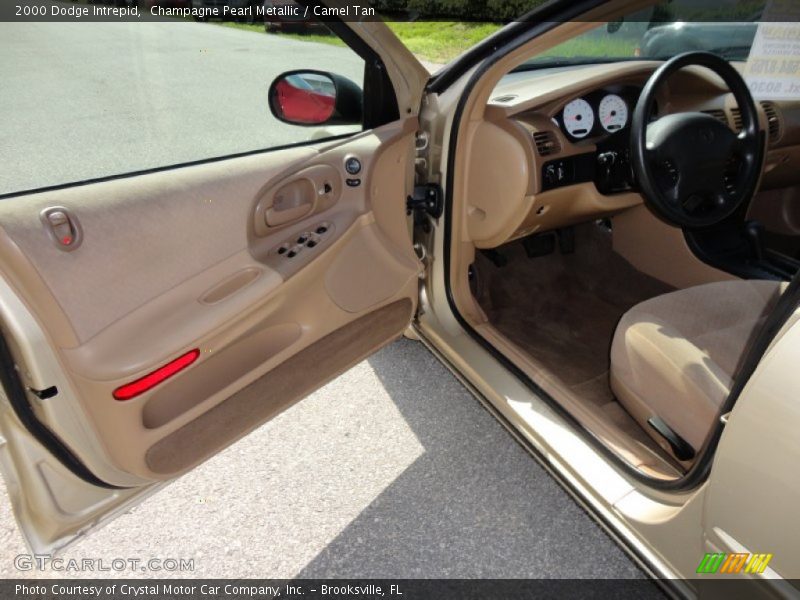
<point x="692" y="170"/>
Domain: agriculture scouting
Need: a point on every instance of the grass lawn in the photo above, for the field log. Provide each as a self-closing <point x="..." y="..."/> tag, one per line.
<point x="442" y="41"/>
<point x="597" y="43"/>
<point x="304" y="37"/>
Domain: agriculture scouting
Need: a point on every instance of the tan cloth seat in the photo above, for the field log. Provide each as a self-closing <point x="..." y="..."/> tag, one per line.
<point x="675" y="356"/>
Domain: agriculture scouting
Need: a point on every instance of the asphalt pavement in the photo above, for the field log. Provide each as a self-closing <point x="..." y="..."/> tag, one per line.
<point x="87" y="100"/>
<point x="393" y="469"/>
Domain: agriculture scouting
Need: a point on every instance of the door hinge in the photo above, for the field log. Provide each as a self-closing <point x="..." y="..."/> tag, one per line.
<point x="427" y="198"/>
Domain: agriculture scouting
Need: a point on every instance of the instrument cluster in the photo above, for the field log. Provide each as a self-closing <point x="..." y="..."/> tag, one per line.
<point x="603" y="112"/>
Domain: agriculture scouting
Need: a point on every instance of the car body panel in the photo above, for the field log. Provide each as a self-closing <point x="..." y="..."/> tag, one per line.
<point x="751" y="505"/>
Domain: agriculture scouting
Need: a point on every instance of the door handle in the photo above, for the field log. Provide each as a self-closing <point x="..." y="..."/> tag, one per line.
<point x="296" y="197"/>
<point x="291" y="202"/>
<point x="277" y="217"/>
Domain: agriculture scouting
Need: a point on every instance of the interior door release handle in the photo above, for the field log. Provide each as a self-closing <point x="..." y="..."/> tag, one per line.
<point x="279" y="217"/>
<point x="293" y="201"/>
<point x="62" y="227"/>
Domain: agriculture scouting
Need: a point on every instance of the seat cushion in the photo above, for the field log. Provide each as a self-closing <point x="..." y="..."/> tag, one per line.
<point x="675" y="356"/>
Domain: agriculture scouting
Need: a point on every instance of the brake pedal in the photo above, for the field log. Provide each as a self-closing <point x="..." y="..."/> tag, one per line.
<point x="498" y="258"/>
<point x="566" y="240"/>
<point x="539" y="245"/>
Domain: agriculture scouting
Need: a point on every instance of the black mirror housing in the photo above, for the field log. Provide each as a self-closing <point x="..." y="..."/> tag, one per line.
<point x="311" y="98"/>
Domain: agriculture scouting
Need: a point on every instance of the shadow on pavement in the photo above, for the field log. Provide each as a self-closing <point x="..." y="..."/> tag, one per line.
<point x="474" y="504"/>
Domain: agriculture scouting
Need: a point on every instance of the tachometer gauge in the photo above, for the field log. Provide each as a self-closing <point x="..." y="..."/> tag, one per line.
<point x="613" y="113"/>
<point x="578" y="118"/>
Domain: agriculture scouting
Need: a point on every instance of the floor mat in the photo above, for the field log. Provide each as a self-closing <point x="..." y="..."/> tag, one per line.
<point x="563" y="308"/>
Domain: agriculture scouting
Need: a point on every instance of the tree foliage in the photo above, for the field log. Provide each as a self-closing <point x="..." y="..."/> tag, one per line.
<point x="461" y="10"/>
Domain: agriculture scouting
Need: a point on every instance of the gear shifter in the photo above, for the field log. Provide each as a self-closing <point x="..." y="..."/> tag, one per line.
<point x="754" y="232"/>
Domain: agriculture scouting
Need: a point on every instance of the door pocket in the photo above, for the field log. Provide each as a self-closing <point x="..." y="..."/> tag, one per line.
<point x="284" y="385"/>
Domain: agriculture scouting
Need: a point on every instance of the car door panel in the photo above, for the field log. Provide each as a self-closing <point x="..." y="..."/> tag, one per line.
<point x="51" y="503"/>
<point x="186" y="259"/>
<point x="290" y="381"/>
<point x="755" y="464"/>
<point x="53" y="506"/>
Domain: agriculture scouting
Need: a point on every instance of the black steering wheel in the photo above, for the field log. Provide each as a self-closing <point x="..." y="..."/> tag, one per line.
<point x="692" y="170"/>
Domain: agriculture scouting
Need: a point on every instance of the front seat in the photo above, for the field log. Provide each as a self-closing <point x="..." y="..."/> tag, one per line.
<point x="674" y="357"/>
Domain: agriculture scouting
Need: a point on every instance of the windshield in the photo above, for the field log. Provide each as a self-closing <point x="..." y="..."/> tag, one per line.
<point x="660" y="32"/>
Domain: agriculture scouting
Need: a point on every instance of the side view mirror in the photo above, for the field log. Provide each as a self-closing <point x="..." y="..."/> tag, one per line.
<point x="315" y="98"/>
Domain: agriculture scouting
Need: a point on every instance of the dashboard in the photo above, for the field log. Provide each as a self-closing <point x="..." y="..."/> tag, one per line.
<point x="600" y="117"/>
<point x="553" y="148"/>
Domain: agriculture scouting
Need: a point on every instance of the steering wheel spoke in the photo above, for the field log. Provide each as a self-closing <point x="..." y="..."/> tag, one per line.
<point x="693" y="202"/>
<point x="740" y="143"/>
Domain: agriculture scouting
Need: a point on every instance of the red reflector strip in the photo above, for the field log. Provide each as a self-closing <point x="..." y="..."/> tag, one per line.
<point x="140" y="386"/>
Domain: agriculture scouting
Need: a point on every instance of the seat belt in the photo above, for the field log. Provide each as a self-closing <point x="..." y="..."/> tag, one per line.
<point x="785" y="307"/>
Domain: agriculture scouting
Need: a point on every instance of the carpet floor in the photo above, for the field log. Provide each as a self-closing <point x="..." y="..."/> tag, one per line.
<point x="563" y="309"/>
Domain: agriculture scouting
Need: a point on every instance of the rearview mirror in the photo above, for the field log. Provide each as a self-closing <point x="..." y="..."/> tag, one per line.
<point x="614" y="26"/>
<point x="315" y="98"/>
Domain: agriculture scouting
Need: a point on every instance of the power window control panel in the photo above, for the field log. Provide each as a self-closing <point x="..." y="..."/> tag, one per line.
<point x="304" y="241"/>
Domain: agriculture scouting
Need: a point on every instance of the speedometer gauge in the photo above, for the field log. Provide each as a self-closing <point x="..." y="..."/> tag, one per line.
<point x="613" y="113"/>
<point x="578" y="118"/>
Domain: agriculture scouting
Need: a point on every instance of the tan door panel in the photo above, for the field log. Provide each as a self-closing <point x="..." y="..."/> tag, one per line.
<point x="142" y="235"/>
<point x="277" y="389"/>
<point x="199" y="258"/>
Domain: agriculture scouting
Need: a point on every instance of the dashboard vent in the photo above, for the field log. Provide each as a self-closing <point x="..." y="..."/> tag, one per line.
<point x="504" y="99"/>
<point x="546" y="143"/>
<point x="737" y="119"/>
<point x="773" y="121"/>
<point x="719" y="115"/>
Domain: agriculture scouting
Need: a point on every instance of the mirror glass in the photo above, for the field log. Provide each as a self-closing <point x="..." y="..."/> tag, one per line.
<point x="305" y="98"/>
